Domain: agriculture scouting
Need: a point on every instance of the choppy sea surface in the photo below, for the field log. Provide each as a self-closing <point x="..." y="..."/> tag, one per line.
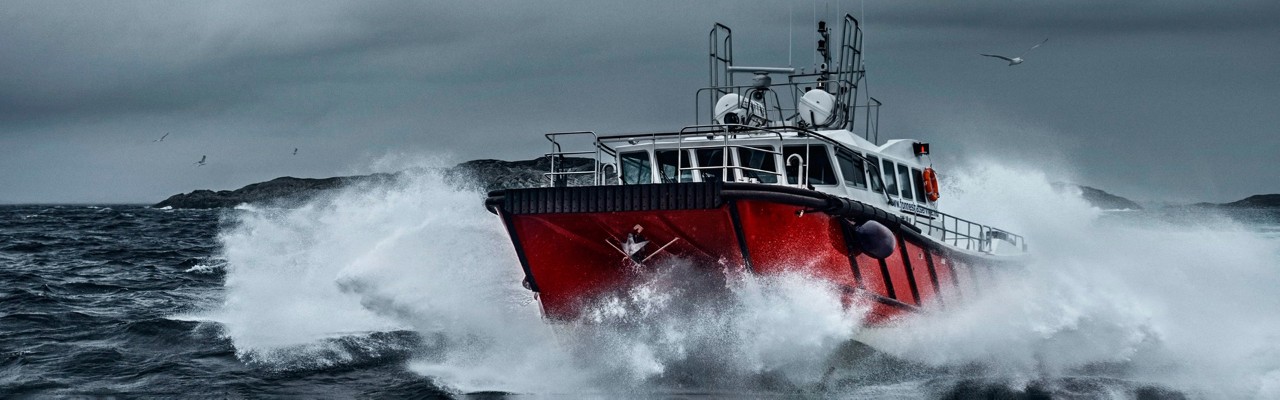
<point x="412" y="290"/>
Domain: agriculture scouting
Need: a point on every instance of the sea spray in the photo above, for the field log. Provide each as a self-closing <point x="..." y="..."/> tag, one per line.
<point x="1182" y="303"/>
<point x="423" y="256"/>
<point x="685" y="326"/>
<point x="1179" y="304"/>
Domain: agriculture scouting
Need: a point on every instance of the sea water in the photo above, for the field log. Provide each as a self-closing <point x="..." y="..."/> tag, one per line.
<point x="413" y="288"/>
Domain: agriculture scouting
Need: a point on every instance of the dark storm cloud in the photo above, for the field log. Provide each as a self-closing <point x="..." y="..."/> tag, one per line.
<point x="1093" y="16"/>
<point x="65" y="59"/>
<point x="105" y="57"/>
<point x="86" y="86"/>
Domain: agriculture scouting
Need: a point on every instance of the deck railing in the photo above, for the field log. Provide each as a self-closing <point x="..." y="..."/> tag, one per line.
<point x="966" y="234"/>
<point x="723" y="131"/>
<point x="556" y="177"/>
<point x="957" y="232"/>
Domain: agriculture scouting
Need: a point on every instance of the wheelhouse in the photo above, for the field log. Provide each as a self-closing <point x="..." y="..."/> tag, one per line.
<point x="801" y="132"/>
<point x="809" y="159"/>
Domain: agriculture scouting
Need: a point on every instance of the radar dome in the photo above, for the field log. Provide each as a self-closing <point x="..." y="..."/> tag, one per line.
<point x="735" y="109"/>
<point x="817" y="108"/>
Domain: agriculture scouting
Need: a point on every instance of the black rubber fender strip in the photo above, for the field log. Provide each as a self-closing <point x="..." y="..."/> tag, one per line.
<point x="809" y="199"/>
<point x="770" y="188"/>
<point x="776" y="197"/>
<point x="494" y="202"/>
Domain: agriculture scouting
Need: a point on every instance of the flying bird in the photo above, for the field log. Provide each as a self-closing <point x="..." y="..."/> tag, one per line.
<point x="295" y="151"/>
<point x="161" y="139"/>
<point x="201" y="162"/>
<point x="1017" y="60"/>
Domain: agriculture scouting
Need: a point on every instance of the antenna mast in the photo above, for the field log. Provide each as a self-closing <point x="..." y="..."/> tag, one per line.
<point x="825" y="38"/>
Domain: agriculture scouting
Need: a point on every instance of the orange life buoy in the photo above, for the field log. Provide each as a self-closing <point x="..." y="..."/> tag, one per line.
<point x="931" y="184"/>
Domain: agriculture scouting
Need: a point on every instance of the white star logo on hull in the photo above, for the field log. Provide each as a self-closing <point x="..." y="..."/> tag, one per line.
<point x="632" y="248"/>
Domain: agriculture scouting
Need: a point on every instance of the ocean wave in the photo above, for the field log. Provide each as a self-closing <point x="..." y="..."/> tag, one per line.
<point x="333" y="353"/>
<point x="204" y="269"/>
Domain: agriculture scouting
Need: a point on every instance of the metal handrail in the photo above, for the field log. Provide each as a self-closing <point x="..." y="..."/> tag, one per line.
<point x="802" y="173"/>
<point x="843" y="79"/>
<point x="703" y="130"/>
<point x="781" y="112"/>
<point x="982" y="242"/>
<point x="557" y="153"/>
<point x="724" y="131"/>
<point x="953" y="235"/>
<point x="958" y="232"/>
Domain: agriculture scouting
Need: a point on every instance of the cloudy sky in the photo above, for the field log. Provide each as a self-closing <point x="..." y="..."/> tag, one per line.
<point x="1164" y="101"/>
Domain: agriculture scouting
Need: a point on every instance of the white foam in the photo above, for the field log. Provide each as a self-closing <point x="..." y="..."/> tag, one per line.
<point x="203" y="269"/>
<point x="1189" y="305"/>
<point x="420" y="255"/>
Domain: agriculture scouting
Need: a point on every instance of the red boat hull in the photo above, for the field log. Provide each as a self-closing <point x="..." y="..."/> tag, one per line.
<point x="571" y="242"/>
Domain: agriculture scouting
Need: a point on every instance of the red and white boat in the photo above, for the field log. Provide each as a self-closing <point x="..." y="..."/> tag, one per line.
<point x="773" y="177"/>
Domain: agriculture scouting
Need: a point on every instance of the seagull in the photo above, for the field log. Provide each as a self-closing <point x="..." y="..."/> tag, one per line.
<point x="201" y="162"/>
<point x="161" y="139"/>
<point x="295" y="151"/>
<point x="1017" y="60"/>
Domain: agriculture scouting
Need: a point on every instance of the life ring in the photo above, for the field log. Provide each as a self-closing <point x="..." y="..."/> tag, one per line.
<point x="931" y="184"/>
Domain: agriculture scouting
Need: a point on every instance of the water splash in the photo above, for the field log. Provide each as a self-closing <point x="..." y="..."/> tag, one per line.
<point x="1183" y="304"/>
<point x="418" y="255"/>
<point x="1180" y="302"/>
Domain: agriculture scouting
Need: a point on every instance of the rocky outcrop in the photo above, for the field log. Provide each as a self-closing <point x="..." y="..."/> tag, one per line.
<point x="1255" y="201"/>
<point x="1099" y="198"/>
<point x="289" y="191"/>
<point x="498" y="174"/>
<point x="488" y="175"/>
<point x="283" y="191"/>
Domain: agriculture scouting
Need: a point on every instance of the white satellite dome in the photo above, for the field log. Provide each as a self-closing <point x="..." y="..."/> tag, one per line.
<point x="735" y="109"/>
<point x="816" y="107"/>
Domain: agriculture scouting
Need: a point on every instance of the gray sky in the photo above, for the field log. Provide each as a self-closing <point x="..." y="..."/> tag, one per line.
<point x="1165" y="101"/>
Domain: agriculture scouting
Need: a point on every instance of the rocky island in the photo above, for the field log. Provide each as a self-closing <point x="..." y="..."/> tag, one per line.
<point x="283" y="191"/>
<point x="497" y="174"/>
<point x="1256" y="201"/>
<point x="289" y="191"/>
<point x="1099" y="198"/>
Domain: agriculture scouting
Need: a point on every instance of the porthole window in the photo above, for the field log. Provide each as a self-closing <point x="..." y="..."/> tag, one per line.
<point x="820" y="170"/>
<point x="889" y="171"/>
<point x="711" y="157"/>
<point x="667" y="166"/>
<point x="635" y="168"/>
<point x="855" y="174"/>
<point x="904" y="179"/>
<point x="756" y="159"/>
<point x="917" y="177"/>
<point x="877" y="185"/>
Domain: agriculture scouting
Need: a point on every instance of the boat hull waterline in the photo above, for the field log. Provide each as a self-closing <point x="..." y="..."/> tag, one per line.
<point x="578" y="243"/>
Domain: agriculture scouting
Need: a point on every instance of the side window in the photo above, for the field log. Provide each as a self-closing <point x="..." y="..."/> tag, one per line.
<point x="667" y="166"/>
<point x="635" y="168"/>
<point x="711" y="157"/>
<point x="918" y="177"/>
<point x="904" y="178"/>
<point x="757" y="159"/>
<point x="820" y="171"/>
<point x="851" y="166"/>
<point x="889" y="172"/>
<point x="877" y="184"/>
